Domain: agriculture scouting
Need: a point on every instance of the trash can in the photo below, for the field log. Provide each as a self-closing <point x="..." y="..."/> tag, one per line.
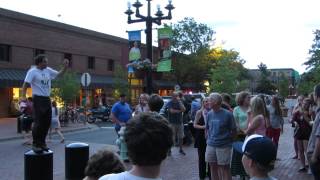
<point x="38" y="166"/>
<point x="76" y="158"/>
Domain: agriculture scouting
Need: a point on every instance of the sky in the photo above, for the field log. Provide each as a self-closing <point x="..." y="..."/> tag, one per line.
<point x="278" y="33"/>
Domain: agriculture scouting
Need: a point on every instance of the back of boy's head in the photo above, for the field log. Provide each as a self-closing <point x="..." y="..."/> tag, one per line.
<point x="155" y="102"/>
<point x="103" y="162"/>
<point x="148" y="138"/>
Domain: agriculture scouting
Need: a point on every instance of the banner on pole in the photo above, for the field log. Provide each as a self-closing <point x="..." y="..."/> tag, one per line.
<point x="164" y="39"/>
<point x="134" y="48"/>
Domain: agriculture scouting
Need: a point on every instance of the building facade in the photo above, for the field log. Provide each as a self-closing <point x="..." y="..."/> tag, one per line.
<point x="22" y="37"/>
<point x="276" y="75"/>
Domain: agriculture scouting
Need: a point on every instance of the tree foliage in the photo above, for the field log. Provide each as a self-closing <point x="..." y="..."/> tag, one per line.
<point x="120" y="83"/>
<point x="66" y="87"/>
<point x="190" y="36"/>
<point x="227" y="73"/>
<point x="190" y="43"/>
<point x="312" y="77"/>
<point x="283" y="85"/>
<point x="264" y="84"/>
<point x="314" y="60"/>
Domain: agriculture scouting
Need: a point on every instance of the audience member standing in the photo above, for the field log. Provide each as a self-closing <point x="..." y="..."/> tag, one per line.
<point x="40" y="80"/>
<point x="276" y="121"/>
<point x="221" y="130"/>
<point x="120" y="113"/>
<point x="200" y="139"/>
<point x="302" y="118"/>
<point x="259" y="155"/>
<point x="148" y="138"/>
<point x="155" y="103"/>
<point x="241" y="120"/>
<point x="313" y="150"/>
<point x="257" y="121"/>
<point x="176" y="109"/>
<point x="143" y="104"/>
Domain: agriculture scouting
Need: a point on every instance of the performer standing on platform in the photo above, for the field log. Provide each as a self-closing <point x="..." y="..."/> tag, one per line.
<point x="40" y="78"/>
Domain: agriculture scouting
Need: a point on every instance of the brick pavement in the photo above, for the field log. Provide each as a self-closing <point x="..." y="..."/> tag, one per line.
<point x="178" y="167"/>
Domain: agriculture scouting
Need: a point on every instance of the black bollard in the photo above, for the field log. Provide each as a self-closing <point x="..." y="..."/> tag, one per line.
<point x="77" y="156"/>
<point x="38" y="166"/>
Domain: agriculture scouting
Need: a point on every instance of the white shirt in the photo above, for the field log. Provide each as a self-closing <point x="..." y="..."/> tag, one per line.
<point x="125" y="176"/>
<point x="40" y="80"/>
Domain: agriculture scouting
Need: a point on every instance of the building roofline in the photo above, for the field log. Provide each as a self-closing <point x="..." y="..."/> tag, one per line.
<point x="57" y="25"/>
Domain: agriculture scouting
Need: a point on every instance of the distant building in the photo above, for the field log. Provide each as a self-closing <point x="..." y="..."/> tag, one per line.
<point x="275" y="77"/>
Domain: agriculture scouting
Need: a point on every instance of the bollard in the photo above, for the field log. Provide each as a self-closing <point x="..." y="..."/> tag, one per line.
<point x="38" y="166"/>
<point x="76" y="158"/>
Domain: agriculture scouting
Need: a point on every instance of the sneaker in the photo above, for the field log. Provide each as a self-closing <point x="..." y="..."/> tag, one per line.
<point x="303" y="169"/>
<point x="37" y="149"/>
<point x="62" y="141"/>
<point x="45" y="148"/>
<point x="182" y="152"/>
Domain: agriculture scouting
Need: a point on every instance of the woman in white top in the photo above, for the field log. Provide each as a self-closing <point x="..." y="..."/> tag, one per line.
<point x="55" y="123"/>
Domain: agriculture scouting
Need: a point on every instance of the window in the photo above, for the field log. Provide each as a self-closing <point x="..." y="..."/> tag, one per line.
<point x="4" y="52"/>
<point x="91" y="62"/>
<point x="110" y="65"/>
<point x="69" y="57"/>
<point x="38" y="51"/>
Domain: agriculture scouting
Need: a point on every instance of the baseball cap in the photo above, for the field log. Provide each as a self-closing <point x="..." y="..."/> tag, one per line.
<point x="258" y="148"/>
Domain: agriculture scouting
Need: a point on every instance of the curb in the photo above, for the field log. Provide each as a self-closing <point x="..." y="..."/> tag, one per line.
<point x="20" y="136"/>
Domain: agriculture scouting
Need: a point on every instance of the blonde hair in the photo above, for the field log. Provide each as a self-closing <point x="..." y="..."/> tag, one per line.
<point x="203" y="100"/>
<point x="257" y="106"/>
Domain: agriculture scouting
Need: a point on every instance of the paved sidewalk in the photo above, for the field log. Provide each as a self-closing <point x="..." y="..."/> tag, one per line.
<point x="8" y="128"/>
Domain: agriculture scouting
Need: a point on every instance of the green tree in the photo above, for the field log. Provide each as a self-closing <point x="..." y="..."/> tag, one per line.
<point x="190" y="36"/>
<point x="66" y="88"/>
<point x="314" y="60"/>
<point x="283" y="86"/>
<point x="227" y="73"/>
<point x="264" y="84"/>
<point x="190" y="43"/>
<point x="312" y="77"/>
<point x="120" y="83"/>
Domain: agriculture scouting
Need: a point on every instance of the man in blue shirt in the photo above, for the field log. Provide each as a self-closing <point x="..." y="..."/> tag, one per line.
<point x="220" y="128"/>
<point x="120" y="113"/>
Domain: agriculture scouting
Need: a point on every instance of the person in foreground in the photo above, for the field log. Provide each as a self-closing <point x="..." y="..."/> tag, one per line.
<point x="259" y="155"/>
<point x="101" y="163"/>
<point x="148" y="138"/>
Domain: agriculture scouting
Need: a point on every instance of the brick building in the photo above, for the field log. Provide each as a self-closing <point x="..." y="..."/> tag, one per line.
<point x="22" y="37"/>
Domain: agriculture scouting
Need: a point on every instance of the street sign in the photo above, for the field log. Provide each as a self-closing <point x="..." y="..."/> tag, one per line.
<point x="85" y="79"/>
<point x="177" y="87"/>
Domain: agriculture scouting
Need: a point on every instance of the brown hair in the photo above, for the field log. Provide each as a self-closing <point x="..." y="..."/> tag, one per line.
<point x="241" y="97"/>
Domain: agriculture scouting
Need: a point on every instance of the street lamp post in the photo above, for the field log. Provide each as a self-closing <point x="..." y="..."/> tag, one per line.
<point x="149" y="21"/>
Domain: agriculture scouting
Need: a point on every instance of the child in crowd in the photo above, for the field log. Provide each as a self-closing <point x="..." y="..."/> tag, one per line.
<point x="259" y="155"/>
<point x="101" y="163"/>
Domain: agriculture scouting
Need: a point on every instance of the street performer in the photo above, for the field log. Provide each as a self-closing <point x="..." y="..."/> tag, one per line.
<point x="40" y="78"/>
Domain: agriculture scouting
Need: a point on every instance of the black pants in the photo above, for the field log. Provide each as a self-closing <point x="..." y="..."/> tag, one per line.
<point x="42" y="119"/>
<point x="203" y="167"/>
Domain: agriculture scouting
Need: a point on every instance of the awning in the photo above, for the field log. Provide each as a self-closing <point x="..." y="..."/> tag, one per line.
<point x="15" y="78"/>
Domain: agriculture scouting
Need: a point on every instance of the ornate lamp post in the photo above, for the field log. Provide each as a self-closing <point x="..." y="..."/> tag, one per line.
<point x="149" y="21"/>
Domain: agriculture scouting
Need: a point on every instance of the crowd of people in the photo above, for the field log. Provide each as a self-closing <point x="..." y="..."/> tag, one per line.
<point x="255" y="122"/>
<point x="230" y="141"/>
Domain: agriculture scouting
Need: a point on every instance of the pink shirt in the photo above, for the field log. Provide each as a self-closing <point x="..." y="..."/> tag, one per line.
<point x="261" y="128"/>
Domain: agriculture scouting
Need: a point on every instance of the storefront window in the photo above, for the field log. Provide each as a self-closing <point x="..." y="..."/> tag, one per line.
<point x="17" y="92"/>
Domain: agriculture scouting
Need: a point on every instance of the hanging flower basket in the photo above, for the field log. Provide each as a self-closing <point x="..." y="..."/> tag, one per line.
<point x="139" y="74"/>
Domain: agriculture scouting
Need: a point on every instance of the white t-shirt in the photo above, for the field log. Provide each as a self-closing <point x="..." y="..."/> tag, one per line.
<point x="125" y="176"/>
<point x="40" y="80"/>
